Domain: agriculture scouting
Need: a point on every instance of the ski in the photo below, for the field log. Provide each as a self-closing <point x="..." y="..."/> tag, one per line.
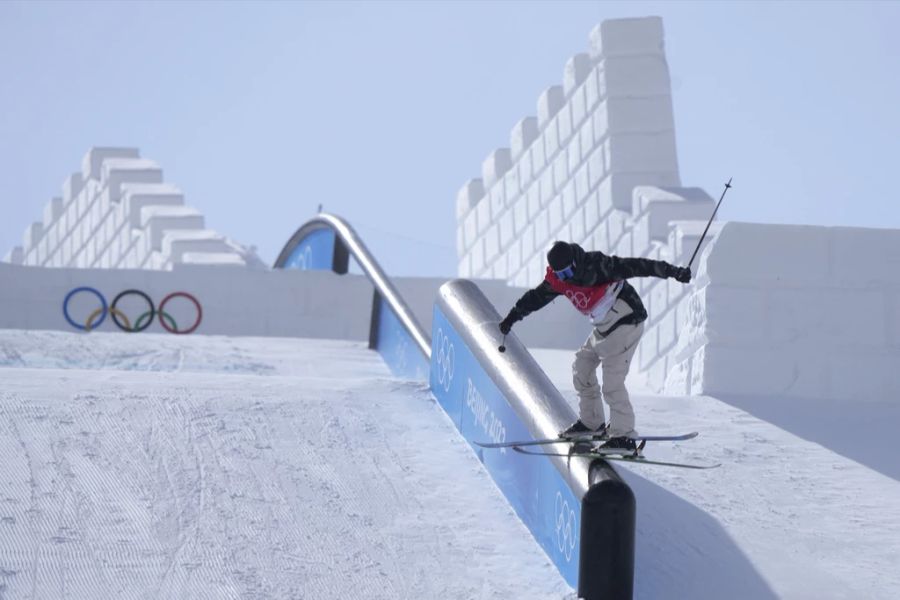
<point x="586" y="438"/>
<point x="619" y="457"/>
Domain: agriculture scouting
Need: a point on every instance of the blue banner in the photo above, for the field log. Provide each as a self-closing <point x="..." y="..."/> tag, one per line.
<point x="397" y="347"/>
<point x="315" y="252"/>
<point x="533" y="486"/>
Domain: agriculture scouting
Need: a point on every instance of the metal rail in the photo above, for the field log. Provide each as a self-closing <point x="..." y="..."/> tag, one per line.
<point x="368" y="264"/>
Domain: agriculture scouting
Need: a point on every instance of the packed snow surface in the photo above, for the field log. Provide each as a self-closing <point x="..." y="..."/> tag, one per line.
<point x="160" y="466"/>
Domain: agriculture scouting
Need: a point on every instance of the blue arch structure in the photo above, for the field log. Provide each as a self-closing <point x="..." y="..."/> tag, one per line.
<point x="326" y="242"/>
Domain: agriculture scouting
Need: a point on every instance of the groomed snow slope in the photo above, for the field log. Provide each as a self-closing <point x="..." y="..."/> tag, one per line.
<point x="160" y="466"/>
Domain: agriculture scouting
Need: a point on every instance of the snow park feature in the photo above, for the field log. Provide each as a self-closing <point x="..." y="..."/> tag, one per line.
<point x="272" y="454"/>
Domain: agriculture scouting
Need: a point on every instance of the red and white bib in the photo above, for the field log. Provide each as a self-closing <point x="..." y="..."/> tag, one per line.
<point x="593" y="301"/>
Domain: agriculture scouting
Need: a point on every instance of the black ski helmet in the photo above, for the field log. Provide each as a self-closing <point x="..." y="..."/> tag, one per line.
<point x="560" y="256"/>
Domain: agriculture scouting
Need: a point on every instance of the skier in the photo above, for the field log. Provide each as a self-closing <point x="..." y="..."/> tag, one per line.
<point x="596" y="285"/>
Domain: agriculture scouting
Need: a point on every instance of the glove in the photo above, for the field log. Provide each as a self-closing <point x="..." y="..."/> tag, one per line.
<point x="507" y="323"/>
<point x="682" y="274"/>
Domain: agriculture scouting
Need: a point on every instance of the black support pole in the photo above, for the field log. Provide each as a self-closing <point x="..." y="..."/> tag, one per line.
<point x="606" y="569"/>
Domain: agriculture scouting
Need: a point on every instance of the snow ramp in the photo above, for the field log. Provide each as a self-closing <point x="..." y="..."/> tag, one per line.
<point x="210" y="467"/>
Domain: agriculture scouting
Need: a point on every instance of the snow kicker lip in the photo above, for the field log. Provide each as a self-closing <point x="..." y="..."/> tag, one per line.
<point x="122" y="321"/>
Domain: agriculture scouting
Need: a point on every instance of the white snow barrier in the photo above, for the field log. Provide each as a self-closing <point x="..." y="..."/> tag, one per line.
<point x="786" y="311"/>
<point x="117" y="213"/>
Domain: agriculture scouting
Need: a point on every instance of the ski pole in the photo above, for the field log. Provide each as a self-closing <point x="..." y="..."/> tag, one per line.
<point x="502" y="347"/>
<point x="722" y="197"/>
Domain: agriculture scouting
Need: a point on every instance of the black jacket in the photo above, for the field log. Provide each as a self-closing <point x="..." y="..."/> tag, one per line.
<point x="596" y="268"/>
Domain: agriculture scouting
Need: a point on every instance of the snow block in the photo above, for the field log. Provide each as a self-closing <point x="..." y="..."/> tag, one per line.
<point x="634" y="76"/>
<point x="641" y="152"/>
<point x="213" y="259"/>
<point x="685" y="235"/>
<point x="483" y="212"/>
<point x="507" y="228"/>
<point x="176" y="242"/>
<point x="538" y="157"/>
<point x="157" y="220"/>
<point x="525" y="168"/>
<point x="477" y="257"/>
<point x="33" y="235"/>
<point x="586" y="139"/>
<point x="551" y="139"/>
<point x="116" y="171"/>
<point x="564" y="125"/>
<point x="616" y="189"/>
<point x="511" y="189"/>
<point x="867" y="257"/>
<point x="136" y="196"/>
<point x="617" y="115"/>
<point x="576" y="71"/>
<point x="492" y="243"/>
<point x="497" y="200"/>
<point x="775" y="255"/>
<point x="523" y="134"/>
<point x="494" y="166"/>
<point x="520" y="209"/>
<point x="661" y="206"/>
<point x="548" y="190"/>
<point x="14" y="256"/>
<point x="72" y="186"/>
<point x="727" y="369"/>
<point x="52" y="211"/>
<point x="549" y="102"/>
<point x="92" y="163"/>
<point x="470" y="228"/>
<point x="818" y="318"/>
<point x="561" y="168"/>
<point x="528" y="243"/>
<point x="626" y="37"/>
<point x="579" y="106"/>
<point x="468" y="196"/>
<point x="735" y="315"/>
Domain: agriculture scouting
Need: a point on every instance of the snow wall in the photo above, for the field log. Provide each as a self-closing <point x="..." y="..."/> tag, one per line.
<point x="786" y="311"/>
<point x="239" y="301"/>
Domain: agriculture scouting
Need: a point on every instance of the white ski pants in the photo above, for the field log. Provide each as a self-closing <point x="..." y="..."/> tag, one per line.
<point x="613" y="354"/>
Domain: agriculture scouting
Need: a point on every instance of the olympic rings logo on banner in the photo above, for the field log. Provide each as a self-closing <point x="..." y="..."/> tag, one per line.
<point x="304" y="261"/>
<point x="121" y="319"/>
<point x="566" y="527"/>
<point x="444" y="360"/>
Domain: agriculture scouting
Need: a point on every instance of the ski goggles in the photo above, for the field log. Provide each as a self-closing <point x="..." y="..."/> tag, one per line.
<point x="566" y="273"/>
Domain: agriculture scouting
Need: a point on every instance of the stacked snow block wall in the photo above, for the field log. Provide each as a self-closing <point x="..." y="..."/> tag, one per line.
<point x="792" y="311"/>
<point x="118" y="213"/>
<point x="597" y="166"/>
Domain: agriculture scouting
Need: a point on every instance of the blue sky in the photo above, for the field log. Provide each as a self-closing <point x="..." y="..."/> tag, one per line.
<point x="381" y="111"/>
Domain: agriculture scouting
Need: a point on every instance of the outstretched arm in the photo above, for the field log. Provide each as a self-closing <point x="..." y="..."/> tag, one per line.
<point x="532" y="300"/>
<point x="623" y="268"/>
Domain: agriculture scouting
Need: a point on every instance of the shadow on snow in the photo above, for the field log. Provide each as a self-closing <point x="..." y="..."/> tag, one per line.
<point x="683" y="552"/>
<point x="861" y="430"/>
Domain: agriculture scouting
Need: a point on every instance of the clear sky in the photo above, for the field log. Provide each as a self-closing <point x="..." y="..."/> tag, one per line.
<point x="380" y="111"/>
